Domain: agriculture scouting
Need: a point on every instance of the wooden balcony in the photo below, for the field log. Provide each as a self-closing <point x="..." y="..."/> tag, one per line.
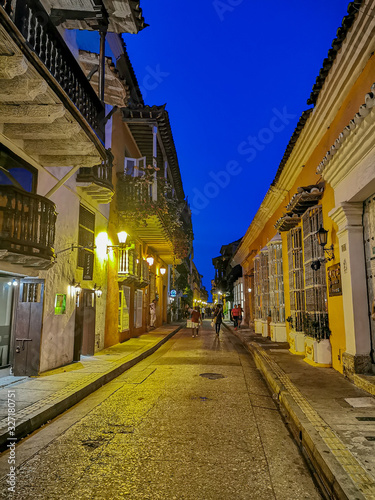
<point x="139" y="211"/>
<point x="132" y="269"/>
<point x="45" y="98"/>
<point x="27" y="228"/>
<point x="97" y="181"/>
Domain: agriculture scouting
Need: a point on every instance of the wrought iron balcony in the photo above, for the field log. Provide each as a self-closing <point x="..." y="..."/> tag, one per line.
<point x="27" y="228"/>
<point x="40" y="35"/>
<point x="155" y="216"/>
<point x="97" y="181"/>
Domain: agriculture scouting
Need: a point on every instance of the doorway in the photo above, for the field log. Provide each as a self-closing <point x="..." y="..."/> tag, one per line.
<point x="84" y="330"/>
<point x="28" y="327"/>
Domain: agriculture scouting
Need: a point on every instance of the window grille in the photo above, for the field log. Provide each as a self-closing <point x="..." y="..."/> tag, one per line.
<point x="123" y="312"/>
<point x="138" y="309"/>
<point x="257" y="289"/>
<point x="264" y="284"/>
<point x="296" y="278"/>
<point x="86" y="234"/>
<point x="316" y="317"/>
<point x="276" y="283"/>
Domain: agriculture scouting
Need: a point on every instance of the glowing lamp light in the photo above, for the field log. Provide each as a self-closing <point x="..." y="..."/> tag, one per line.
<point x="98" y="291"/>
<point x="150" y="260"/>
<point x="163" y="271"/>
<point x="249" y="290"/>
<point x="78" y="288"/>
<point x="122" y="235"/>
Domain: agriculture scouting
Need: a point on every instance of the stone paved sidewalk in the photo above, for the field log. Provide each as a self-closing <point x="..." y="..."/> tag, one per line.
<point x="331" y="418"/>
<point x="39" y="399"/>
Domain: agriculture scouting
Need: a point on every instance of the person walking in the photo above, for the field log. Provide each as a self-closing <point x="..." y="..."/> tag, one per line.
<point x="218" y="318"/>
<point x="240" y="315"/>
<point x="195" y="321"/>
<point x="235" y="315"/>
<point x="153" y="313"/>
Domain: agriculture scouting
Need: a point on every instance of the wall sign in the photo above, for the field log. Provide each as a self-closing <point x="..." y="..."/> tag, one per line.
<point x="334" y="280"/>
<point x="173" y="293"/>
<point x="88" y="266"/>
<point x="60" y="303"/>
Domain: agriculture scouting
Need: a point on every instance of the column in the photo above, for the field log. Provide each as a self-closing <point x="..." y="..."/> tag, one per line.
<point x="348" y="217"/>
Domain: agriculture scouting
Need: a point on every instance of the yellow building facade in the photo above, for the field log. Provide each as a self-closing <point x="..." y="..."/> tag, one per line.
<point x="319" y="298"/>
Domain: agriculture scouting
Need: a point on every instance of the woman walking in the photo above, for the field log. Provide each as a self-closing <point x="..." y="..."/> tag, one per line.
<point x="195" y="320"/>
<point x="218" y="318"/>
<point x="235" y="315"/>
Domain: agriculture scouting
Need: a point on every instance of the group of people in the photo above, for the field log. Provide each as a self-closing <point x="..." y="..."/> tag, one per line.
<point x="236" y="316"/>
<point x="196" y="318"/>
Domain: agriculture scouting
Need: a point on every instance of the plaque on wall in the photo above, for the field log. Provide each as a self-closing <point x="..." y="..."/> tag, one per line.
<point x="334" y="280"/>
<point x="88" y="266"/>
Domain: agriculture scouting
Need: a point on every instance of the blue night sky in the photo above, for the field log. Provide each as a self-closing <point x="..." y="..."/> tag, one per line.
<point x="227" y="74"/>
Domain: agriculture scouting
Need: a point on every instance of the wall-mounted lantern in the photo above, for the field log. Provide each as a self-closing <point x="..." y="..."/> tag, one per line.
<point x="163" y="270"/>
<point x="150" y="260"/>
<point x="122" y="236"/>
<point x="77" y="288"/>
<point x="98" y="291"/>
<point x="322" y="236"/>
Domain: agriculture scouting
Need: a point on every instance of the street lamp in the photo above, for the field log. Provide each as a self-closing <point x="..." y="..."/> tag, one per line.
<point x="150" y="260"/>
<point x="122" y="236"/>
<point x="322" y="236"/>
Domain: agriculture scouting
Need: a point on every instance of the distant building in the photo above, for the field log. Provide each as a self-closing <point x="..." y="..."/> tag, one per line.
<point x="225" y="276"/>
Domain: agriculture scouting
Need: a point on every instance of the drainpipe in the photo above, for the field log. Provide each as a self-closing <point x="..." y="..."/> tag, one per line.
<point x="102" y="32"/>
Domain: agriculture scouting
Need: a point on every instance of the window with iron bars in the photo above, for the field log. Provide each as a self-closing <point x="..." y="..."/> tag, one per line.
<point x="276" y="282"/>
<point x="316" y="312"/>
<point x="257" y="289"/>
<point x="264" y="284"/>
<point x="86" y="234"/>
<point x="296" y="278"/>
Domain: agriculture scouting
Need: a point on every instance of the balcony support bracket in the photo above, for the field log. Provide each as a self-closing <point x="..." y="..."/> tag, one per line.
<point x="62" y="181"/>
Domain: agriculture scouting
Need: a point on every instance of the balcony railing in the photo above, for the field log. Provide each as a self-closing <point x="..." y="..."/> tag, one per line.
<point x="27" y="224"/>
<point x="99" y="174"/>
<point x="31" y="19"/>
<point x="131" y="269"/>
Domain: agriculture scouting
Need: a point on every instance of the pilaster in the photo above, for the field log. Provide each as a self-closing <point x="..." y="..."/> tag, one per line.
<point x="348" y="217"/>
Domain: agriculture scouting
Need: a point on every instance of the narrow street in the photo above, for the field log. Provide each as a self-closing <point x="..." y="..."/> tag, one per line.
<point x="193" y="421"/>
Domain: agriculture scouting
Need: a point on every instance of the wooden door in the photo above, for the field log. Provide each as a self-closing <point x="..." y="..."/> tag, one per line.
<point x="84" y="332"/>
<point x="27" y="327"/>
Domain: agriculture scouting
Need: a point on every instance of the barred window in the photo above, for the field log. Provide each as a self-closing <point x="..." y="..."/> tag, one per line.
<point x="86" y="234"/>
<point x="257" y="289"/>
<point x="276" y="282"/>
<point x="264" y="284"/>
<point x="296" y="278"/>
<point x="316" y="317"/>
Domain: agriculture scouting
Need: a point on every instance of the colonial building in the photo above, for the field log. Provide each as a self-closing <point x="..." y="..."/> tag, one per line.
<point x="65" y="275"/>
<point x="150" y="207"/>
<point x="310" y="265"/>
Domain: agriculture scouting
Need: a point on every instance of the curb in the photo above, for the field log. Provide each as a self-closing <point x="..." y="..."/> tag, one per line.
<point x="331" y="477"/>
<point x="38" y="418"/>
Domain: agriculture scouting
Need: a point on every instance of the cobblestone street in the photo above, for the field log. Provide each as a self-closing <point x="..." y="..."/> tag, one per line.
<point x="193" y="421"/>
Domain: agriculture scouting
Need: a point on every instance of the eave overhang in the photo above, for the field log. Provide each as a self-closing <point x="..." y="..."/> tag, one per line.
<point x="140" y="121"/>
<point x="347" y="22"/>
<point x="122" y="16"/>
